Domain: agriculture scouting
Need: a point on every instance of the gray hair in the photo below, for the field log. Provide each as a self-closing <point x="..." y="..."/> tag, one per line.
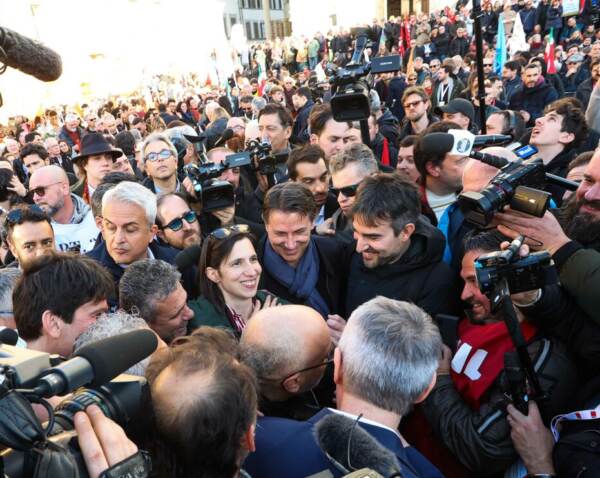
<point x="358" y="154"/>
<point x="133" y="193"/>
<point x="145" y="283"/>
<point x="390" y="352"/>
<point x="8" y="279"/>
<point x="259" y="103"/>
<point x="110" y="325"/>
<point x="96" y="199"/>
<point x="158" y="137"/>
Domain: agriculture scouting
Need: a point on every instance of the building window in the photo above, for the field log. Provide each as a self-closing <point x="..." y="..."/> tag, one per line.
<point x="258" y="3"/>
<point x="232" y="20"/>
<point x="262" y="30"/>
<point x="256" y="32"/>
<point x="280" y="6"/>
<point x="248" y="31"/>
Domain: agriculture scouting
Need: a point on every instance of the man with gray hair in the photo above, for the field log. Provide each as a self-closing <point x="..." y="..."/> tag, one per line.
<point x="288" y="349"/>
<point x="160" y="163"/>
<point x="152" y="290"/>
<point x="385" y="362"/>
<point x="8" y="279"/>
<point x="128" y="230"/>
<point x="347" y="168"/>
<point x="112" y="324"/>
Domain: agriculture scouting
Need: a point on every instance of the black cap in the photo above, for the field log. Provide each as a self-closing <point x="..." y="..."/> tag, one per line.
<point x="457" y="105"/>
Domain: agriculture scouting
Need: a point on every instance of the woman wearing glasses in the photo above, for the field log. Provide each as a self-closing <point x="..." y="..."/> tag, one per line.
<point x="229" y="273"/>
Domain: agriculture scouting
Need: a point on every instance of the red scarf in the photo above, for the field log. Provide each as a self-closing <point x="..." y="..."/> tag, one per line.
<point x="479" y="358"/>
<point x="385" y="156"/>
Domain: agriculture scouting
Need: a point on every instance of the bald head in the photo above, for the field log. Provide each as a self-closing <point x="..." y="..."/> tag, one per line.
<point x="477" y="174"/>
<point x="280" y="341"/>
<point x="50" y="187"/>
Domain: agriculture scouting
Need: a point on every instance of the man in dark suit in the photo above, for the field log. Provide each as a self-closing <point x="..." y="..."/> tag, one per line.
<point x="385" y="362"/>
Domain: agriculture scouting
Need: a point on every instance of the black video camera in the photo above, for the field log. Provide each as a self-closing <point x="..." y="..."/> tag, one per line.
<point x="214" y="193"/>
<point x="350" y="85"/>
<point x="270" y="165"/>
<point x="522" y="274"/>
<point x="518" y="183"/>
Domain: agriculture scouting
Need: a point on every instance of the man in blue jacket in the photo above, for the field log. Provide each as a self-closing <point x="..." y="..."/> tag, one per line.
<point x="385" y="362"/>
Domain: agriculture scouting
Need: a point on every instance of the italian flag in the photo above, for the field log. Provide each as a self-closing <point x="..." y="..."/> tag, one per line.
<point x="549" y="53"/>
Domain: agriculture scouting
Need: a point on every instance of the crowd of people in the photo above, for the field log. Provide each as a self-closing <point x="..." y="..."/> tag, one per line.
<point x="320" y="281"/>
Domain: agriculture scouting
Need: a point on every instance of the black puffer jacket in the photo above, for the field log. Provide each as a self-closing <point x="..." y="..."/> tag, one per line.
<point x="533" y="100"/>
<point x="481" y="439"/>
<point x="419" y="276"/>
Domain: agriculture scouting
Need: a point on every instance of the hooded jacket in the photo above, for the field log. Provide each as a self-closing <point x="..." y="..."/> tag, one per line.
<point x="533" y="100"/>
<point x="419" y="276"/>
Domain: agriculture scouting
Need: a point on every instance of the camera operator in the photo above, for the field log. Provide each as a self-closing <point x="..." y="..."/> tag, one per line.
<point x="385" y="363"/>
<point x="466" y="406"/>
<point x="57" y="298"/>
<point x="287" y="347"/>
<point x="275" y="124"/>
<point x="574" y="246"/>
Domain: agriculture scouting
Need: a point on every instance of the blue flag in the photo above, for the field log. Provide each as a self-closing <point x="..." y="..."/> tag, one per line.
<point x="500" y="47"/>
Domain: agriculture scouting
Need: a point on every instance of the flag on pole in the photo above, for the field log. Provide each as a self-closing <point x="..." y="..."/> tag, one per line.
<point x="549" y="53"/>
<point x="500" y="47"/>
<point x="410" y="66"/>
<point x="518" y="41"/>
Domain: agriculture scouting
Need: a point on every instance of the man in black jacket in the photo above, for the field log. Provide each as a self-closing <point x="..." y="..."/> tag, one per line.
<point x="297" y="267"/>
<point x="303" y="104"/>
<point x="460" y="44"/>
<point x="534" y="95"/>
<point x="467" y="405"/>
<point x="398" y="253"/>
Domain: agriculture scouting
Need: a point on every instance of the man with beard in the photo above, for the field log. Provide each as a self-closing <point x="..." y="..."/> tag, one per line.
<point x="398" y="252"/>
<point x="308" y="166"/>
<point x="534" y="95"/>
<point x="584" y="90"/>
<point x="575" y="247"/>
<point x="72" y="219"/>
<point x="177" y="222"/>
<point x="416" y="104"/>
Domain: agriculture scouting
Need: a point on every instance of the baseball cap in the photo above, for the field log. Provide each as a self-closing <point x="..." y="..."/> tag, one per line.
<point x="457" y="105"/>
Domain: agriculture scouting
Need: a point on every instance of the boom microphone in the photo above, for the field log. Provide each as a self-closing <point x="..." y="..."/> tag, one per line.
<point x="491" y="139"/>
<point x="226" y="136"/>
<point x="361" y="451"/>
<point x="30" y="56"/>
<point x="97" y="363"/>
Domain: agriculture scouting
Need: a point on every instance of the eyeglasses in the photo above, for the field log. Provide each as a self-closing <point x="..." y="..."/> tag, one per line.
<point x="412" y="104"/>
<point x="225" y="232"/>
<point x="163" y="154"/>
<point x="487" y="65"/>
<point x="15" y="216"/>
<point x="177" y="223"/>
<point x="434" y="66"/>
<point x="41" y="190"/>
<point x="348" y="191"/>
<point x="282" y="381"/>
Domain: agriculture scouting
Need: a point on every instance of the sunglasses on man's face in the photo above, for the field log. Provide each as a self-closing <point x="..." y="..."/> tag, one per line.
<point x="177" y="223"/>
<point x="40" y="191"/>
<point x="225" y="232"/>
<point x="348" y="191"/>
<point x="163" y="154"/>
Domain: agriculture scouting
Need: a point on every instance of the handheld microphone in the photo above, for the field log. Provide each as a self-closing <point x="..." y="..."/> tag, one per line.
<point x="226" y="136"/>
<point x="333" y="434"/>
<point x="97" y="363"/>
<point x="9" y="336"/>
<point x="30" y="56"/>
<point x="491" y="139"/>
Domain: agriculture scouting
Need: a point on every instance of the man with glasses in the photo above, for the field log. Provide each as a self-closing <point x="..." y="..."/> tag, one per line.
<point x="91" y="120"/>
<point x="434" y="67"/>
<point x="54" y="156"/>
<point x="177" y="223"/>
<point x="416" y="104"/>
<point x="245" y="107"/>
<point x="72" y="219"/>
<point x="160" y="163"/>
<point x="348" y="168"/>
<point x="28" y="234"/>
<point x="288" y="348"/>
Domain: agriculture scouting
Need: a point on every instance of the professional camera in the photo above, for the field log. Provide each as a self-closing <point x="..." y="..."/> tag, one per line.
<point x="521" y="274"/>
<point x="518" y="183"/>
<point x="270" y="165"/>
<point x="29" y="376"/>
<point x="351" y="85"/>
<point x="214" y="193"/>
